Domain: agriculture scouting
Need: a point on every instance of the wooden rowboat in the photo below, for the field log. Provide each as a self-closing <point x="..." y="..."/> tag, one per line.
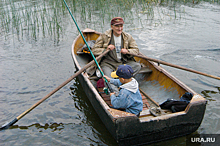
<point x="156" y="85"/>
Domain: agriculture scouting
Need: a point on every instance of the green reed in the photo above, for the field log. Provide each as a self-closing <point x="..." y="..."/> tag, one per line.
<point x="31" y="18"/>
<point x="46" y="18"/>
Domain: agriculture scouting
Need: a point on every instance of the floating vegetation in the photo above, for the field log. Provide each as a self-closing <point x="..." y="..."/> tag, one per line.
<point x="209" y="93"/>
<point x="53" y="126"/>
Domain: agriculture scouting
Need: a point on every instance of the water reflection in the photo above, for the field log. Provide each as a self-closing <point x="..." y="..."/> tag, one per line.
<point x="90" y="117"/>
<point x="53" y="126"/>
<point x="209" y="93"/>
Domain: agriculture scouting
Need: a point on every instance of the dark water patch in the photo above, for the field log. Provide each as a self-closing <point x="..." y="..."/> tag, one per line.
<point x="30" y="92"/>
<point x="10" y="93"/>
<point x="218" y="89"/>
<point x="53" y="126"/>
<point x="212" y="50"/>
<point x="90" y="117"/>
<point x="209" y="93"/>
<point x="200" y="81"/>
<point x="206" y="94"/>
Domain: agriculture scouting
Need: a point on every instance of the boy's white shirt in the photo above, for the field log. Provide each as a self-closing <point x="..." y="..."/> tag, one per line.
<point x="131" y="86"/>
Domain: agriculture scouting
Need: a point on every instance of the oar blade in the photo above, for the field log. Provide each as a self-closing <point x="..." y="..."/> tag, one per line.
<point x="8" y="124"/>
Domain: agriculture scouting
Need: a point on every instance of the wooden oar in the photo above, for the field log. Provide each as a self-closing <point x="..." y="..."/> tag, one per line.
<point x="7" y="125"/>
<point x="172" y="65"/>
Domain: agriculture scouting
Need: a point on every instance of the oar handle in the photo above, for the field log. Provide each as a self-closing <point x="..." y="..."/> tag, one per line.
<point x="172" y="65"/>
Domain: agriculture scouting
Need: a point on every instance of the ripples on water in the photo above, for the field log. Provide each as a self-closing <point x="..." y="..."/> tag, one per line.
<point x="35" y="58"/>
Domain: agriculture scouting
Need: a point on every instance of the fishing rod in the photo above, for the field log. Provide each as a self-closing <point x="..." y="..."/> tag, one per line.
<point x="106" y="81"/>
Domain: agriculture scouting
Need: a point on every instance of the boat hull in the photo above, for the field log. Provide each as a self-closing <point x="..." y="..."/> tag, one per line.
<point x="127" y="129"/>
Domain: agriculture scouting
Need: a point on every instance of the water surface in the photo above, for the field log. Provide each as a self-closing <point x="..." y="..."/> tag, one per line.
<point x="35" y="58"/>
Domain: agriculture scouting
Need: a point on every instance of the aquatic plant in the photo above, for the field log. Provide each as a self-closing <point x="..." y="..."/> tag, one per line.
<point x="46" y="18"/>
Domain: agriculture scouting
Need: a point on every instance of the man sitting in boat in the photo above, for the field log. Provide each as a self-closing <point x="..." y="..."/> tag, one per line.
<point x="129" y="97"/>
<point x="119" y="43"/>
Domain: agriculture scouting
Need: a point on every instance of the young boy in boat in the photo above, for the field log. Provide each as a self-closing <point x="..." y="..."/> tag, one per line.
<point x="129" y="97"/>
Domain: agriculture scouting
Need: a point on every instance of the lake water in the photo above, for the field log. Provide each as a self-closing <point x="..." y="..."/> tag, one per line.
<point x="35" y="58"/>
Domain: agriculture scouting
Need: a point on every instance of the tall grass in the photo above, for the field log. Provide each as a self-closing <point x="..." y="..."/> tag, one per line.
<point x="46" y="18"/>
<point x="31" y="18"/>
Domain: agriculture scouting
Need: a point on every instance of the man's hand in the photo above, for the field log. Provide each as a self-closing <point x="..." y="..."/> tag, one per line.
<point x="124" y="51"/>
<point x="111" y="47"/>
<point x="112" y="93"/>
<point x="108" y="79"/>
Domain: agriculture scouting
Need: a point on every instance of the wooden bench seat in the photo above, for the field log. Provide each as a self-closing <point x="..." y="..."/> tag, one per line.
<point x="144" y="70"/>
